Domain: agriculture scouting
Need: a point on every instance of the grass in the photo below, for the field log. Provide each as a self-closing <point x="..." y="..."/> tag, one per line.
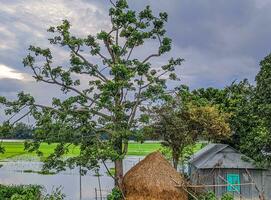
<point x="16" y="149"/>
<point x="39" y="172"/>
<point x="138" y="149"/>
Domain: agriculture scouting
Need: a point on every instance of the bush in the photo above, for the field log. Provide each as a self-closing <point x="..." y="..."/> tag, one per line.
<point x="55" y="195"/>
<point x="208" y="196"/>
<point x="211" y="196"/>
<point x="227" y="196"/>
<point x="115" y="195"/>
<point x="31" y="192"/>
<point x="28" y="192"/>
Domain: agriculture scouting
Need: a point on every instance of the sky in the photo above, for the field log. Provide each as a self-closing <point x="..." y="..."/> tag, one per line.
<point x="220" y="40"/>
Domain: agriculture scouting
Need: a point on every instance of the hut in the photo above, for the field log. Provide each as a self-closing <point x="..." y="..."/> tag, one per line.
<point x="153" y="178"/>
<point x="222" y="169"/>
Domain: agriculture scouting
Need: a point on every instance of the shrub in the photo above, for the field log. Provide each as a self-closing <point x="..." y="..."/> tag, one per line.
<point x="55" y="195"/>
<point x="115" y="195"/>
<point x="28" y="192"/>
<point x="211" y="196"/>
<point x="16" y="192"/>
<point x="227" y="196"/>
<point x="208" y="196"/>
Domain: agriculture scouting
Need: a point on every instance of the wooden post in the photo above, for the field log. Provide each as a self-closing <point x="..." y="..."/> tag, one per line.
<point x="99" y="182"/>
<point x="261" y="195"/>
<point x="96" y="195"/>
<point x="80" y="183"/>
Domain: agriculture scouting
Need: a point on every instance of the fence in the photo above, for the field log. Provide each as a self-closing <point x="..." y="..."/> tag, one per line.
<point x="101" y="194"/>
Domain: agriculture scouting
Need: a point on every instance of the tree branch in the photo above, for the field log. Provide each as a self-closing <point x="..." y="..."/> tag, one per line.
<point x="130" y="53"/>
<point x="133" y="112"/>
<point x="101" y="76"/>
<point x="112" y="3"/>
<point x="150" y="56"/>
<point x="108" y="171"/>
<point x="154" y="55"/>
<point x="21" y="117"/>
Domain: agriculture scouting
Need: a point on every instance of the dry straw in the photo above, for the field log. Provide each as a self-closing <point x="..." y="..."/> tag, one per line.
<point x="154" y="179"/>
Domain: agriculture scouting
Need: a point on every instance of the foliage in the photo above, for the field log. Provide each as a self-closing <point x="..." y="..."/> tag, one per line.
<point x="208" y="196"/>
<point x="227" y="196"/>
<point x="250" y="113"/>
<point x="102" y="98"/>
<point x="4" y="132"/>
<point x="263" y="102"/>
<point x="182" y="122"/>
<point x="208" y="122"/>
<point x="28" y="192"/>
<point x="235" y="99"/>
<point x="211" y="196"/>
<point x="21" y="131"/>
<point x="55" y="195"/>
<point x="31" y="192"/>
<point x="115" y="194"/>
<point x="111" y="171"/>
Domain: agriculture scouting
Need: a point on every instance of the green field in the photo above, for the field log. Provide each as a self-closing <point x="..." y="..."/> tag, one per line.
<point x="16" y="149"/>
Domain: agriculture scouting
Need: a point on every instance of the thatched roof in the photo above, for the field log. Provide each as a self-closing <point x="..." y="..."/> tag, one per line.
<point x="153" y="179"/>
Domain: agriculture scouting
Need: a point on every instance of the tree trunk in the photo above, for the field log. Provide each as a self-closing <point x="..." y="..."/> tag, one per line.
<point x="175" y="158"/>
<point x="118" y="173"/>
<point x="118" y="164"/>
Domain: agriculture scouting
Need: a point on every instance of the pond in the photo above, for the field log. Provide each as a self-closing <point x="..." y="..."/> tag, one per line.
<point x="13" y="172"/>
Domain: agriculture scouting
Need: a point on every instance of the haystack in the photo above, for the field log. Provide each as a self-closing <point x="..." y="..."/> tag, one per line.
<point x="153" y="179"/>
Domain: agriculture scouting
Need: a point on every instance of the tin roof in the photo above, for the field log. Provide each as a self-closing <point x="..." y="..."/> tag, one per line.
<point x="221" y="156"/>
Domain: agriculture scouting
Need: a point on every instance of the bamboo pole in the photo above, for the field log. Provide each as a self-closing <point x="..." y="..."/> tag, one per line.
<point x="96" y="194"/>
<point x="261" y="196"/>
<point x="80" y="183"/>
<point x="219" y="185"/>
<point x="100" y="189"/>
<point x="229" y="183"/>
<point x="183" y="187"/>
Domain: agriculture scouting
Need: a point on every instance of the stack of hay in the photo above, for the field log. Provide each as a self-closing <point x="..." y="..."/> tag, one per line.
<point x="153" y="179"/>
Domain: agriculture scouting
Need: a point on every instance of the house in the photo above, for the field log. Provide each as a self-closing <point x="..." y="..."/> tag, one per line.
<point x="222" y="169"/>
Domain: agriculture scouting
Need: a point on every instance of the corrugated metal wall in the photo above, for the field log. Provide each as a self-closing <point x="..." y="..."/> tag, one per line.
<point x="261" y="178"/>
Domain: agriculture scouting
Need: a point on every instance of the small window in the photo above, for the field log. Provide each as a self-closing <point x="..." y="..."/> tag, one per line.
<point x="234" y="183"/>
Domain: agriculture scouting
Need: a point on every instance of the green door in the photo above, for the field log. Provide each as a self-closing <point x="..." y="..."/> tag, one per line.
<point x="233" y="179"/>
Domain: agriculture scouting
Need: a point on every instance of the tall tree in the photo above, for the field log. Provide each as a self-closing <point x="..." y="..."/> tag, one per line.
<point x="182" y="121"/>
<point x="248" y="106"/>
<point x="263" y="108"/>
<point x="236" y="99"/>
<point x="117" y="87"/>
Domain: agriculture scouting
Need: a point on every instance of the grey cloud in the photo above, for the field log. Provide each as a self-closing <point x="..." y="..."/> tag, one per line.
<point x="220" y="40"/>
<point x="10" y="85"/>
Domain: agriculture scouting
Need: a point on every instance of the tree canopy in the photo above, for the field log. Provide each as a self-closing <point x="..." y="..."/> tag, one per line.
<point x="102" y="97"/>
<point x="184" y="120"/>
<point x="249" y="106"/>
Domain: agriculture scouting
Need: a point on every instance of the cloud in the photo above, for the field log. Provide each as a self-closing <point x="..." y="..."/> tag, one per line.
<point x="9" y="73"/>
<point x="25" y="22"/>
<point x="221" y="41"/>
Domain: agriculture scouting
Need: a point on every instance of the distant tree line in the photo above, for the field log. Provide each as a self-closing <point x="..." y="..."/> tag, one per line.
<point x="18" y="131"/>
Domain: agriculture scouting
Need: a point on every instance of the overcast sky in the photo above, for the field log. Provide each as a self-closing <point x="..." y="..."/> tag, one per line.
<point x="220" y="40"/>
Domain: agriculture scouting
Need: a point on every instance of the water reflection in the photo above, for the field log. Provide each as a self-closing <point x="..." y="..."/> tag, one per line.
<point x="12" y="172"/>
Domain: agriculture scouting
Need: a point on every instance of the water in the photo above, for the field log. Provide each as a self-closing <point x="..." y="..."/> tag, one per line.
<point x="12" y="173"/>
